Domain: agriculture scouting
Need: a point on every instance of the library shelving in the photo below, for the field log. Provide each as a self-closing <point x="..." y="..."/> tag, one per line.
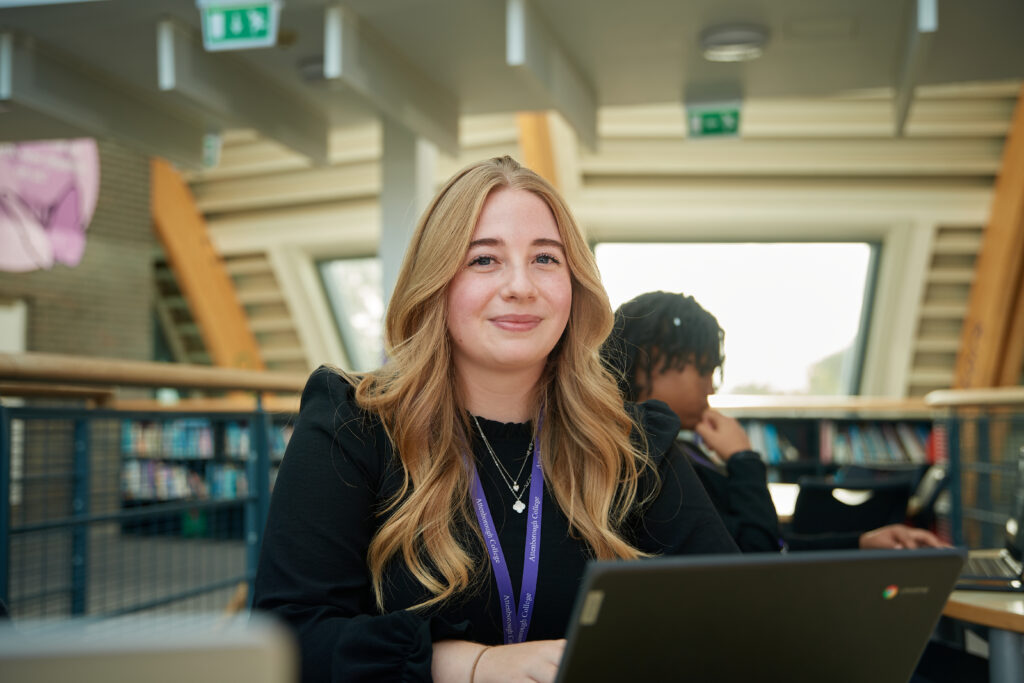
<point x="813" y="435"/>
<point x="173" y="458"/>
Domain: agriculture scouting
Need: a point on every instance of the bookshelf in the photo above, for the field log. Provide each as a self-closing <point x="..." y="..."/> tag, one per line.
<point x="810" y="435"/>
<point x="167" y="459"/>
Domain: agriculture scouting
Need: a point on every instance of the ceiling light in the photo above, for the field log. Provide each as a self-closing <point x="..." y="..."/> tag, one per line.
<point x="733" y="42"/>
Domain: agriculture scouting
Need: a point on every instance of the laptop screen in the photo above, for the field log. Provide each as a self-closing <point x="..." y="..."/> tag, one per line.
<point x="836" y="616"/>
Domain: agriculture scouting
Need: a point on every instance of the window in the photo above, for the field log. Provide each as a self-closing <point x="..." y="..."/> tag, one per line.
<point x="354" y="290"/>
<point x="793" y="313"/>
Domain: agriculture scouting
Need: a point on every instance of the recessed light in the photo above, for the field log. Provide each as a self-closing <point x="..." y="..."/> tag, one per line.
<point x="733" y="42"/>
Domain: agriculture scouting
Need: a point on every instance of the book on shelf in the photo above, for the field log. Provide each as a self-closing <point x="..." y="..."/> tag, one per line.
<point x="772" y="452"/>
<point x="182" y="438"/>
<point x="236" y="440"/>
<point x="826" y="441"/>
<point x="842" y="450"/>
<point x="893" y="445"/>
<point x="875" y="444"/>
<point x="857" y="445"/>
<point x="153" y="480"/>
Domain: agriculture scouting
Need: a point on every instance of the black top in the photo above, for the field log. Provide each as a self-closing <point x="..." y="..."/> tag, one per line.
<point x="741" y="496"/>
<point x="338" y="470"/>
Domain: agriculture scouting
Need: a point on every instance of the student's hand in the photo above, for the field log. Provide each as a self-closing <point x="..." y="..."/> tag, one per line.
<point x="898" y="537"/>
<point x="722" y="434"/>
<point x="458" y="661"/>
<point x="532" y="661"/>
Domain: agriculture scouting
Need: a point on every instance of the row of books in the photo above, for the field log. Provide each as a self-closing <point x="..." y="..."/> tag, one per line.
<point x="238" y="440"/>
<point x="844" y="442"/>
<point x="773" y="446"/>
<point x="874" y="442"/>
<point x="193" y="439"/>
<point x="149" y="480"/>
<point x="185" y="438"/>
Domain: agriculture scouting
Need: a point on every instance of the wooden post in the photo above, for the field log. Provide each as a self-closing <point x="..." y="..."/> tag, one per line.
<point x="992" y="340"/>
<point x="535" y="142"/>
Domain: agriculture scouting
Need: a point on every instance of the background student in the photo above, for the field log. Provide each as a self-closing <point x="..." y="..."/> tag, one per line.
<point x="665" y="346"/>
<point x="432" y="519"/>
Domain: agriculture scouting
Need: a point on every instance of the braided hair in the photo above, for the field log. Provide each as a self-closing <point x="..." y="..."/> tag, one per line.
<point x="657" y="331"/>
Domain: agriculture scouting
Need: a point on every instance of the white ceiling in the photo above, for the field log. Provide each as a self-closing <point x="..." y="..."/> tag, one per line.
<point x="448" y="57"/>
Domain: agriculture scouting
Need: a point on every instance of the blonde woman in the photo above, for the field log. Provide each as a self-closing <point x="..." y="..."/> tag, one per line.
<point x="432" y="519"/>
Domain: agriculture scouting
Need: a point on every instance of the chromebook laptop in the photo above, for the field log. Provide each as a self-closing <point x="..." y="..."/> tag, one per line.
<point x="1001" y="569"/>
<point x="818" y="616"/>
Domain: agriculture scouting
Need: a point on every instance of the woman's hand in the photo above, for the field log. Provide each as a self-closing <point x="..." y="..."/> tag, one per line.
<point x="531" y="661"/>
<point x="899" y="536"/>
<point x="460" y="661"/>
<point x="722" y="434"/>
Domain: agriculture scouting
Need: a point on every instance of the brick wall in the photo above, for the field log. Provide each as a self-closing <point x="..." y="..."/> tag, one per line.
<point x="103" y="306"/>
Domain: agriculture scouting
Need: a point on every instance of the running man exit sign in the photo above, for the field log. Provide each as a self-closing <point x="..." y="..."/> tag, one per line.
<point x="238" y="24"/>
<point x="713" y="120"/>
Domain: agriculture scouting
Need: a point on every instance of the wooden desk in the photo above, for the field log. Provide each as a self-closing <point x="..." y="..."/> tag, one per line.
<point x="1003" y="613"/>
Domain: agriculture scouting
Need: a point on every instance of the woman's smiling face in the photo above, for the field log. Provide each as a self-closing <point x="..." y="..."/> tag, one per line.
<point x="509" y="303"/>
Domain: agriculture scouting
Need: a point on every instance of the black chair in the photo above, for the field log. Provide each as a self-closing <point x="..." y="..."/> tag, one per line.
<point x="912" y="472"/>
<point x="825" y="506"/>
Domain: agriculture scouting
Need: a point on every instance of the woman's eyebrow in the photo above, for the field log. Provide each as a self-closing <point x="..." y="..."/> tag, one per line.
<point x="545" y="242"/>
<point x="498" y="242"/>
<point x="487" y="242"/>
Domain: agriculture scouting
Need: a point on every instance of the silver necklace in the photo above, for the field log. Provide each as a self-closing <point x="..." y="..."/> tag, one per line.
<point x="512" y="483"/>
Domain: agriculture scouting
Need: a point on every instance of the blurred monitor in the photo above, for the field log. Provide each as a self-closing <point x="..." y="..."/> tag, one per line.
<point x="197" y="648"/>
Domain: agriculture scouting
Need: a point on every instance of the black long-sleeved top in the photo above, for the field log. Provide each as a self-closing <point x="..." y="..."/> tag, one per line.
<point x="338" y="471"/>
<point x="741" y="496"/>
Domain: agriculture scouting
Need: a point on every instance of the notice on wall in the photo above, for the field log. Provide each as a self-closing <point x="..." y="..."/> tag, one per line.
<point x="48" y="192"/>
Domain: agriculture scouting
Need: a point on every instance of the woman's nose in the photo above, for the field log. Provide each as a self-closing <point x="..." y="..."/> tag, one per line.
<point x="519" y="283"/>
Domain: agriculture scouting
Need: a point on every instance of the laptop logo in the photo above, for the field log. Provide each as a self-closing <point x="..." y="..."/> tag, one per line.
<point x="591" y="608"/>
<point x="891" y="591"/>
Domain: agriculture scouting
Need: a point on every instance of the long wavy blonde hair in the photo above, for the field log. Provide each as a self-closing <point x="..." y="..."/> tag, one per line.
<point x="591" y="465"/>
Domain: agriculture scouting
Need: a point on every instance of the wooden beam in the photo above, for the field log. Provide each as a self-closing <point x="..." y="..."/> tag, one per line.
<point x="1013" y="356"/>
<point x="535" y="143"/>
<point x="987" y="339"/>
<point x="100" y="395"/>
<point x="55" y="368"/>
<point x="200" y="272"/>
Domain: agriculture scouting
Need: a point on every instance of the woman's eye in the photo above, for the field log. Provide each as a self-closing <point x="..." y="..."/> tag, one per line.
<point x="481" y="261"/>
<point x="547" y="258"/>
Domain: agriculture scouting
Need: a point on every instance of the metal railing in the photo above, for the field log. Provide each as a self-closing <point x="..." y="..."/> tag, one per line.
<point x="983" y="430"/>
<point x="110" y="511"/>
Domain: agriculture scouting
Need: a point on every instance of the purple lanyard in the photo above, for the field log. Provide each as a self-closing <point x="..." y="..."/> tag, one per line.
<point x="531" y="554"/>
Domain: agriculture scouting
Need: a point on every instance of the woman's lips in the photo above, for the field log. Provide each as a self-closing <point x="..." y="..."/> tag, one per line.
<point x="516" y="323"/>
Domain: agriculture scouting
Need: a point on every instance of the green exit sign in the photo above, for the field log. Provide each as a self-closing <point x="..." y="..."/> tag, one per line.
<point x="704" y="122"/>
<point x="231" y="25"/>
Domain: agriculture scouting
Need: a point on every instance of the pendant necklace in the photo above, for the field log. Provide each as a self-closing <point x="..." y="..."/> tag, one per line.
<point x="514" y="488"/>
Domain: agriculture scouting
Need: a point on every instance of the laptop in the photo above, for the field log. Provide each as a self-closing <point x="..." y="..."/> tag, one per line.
<point x="823" y="616"/>
<point x="1001" y="569"/>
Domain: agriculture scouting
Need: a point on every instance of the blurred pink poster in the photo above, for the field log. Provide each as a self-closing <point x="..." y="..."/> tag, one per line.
<point x="48" y="193"/>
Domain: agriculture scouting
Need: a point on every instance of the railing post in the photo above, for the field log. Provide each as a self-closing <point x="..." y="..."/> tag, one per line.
<point x="953" y="452"/>
<point x="5" y="504"/>
<point x="258" y="506"/>
<point x="985" y="476"/>
<point x="80" y="508"/>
